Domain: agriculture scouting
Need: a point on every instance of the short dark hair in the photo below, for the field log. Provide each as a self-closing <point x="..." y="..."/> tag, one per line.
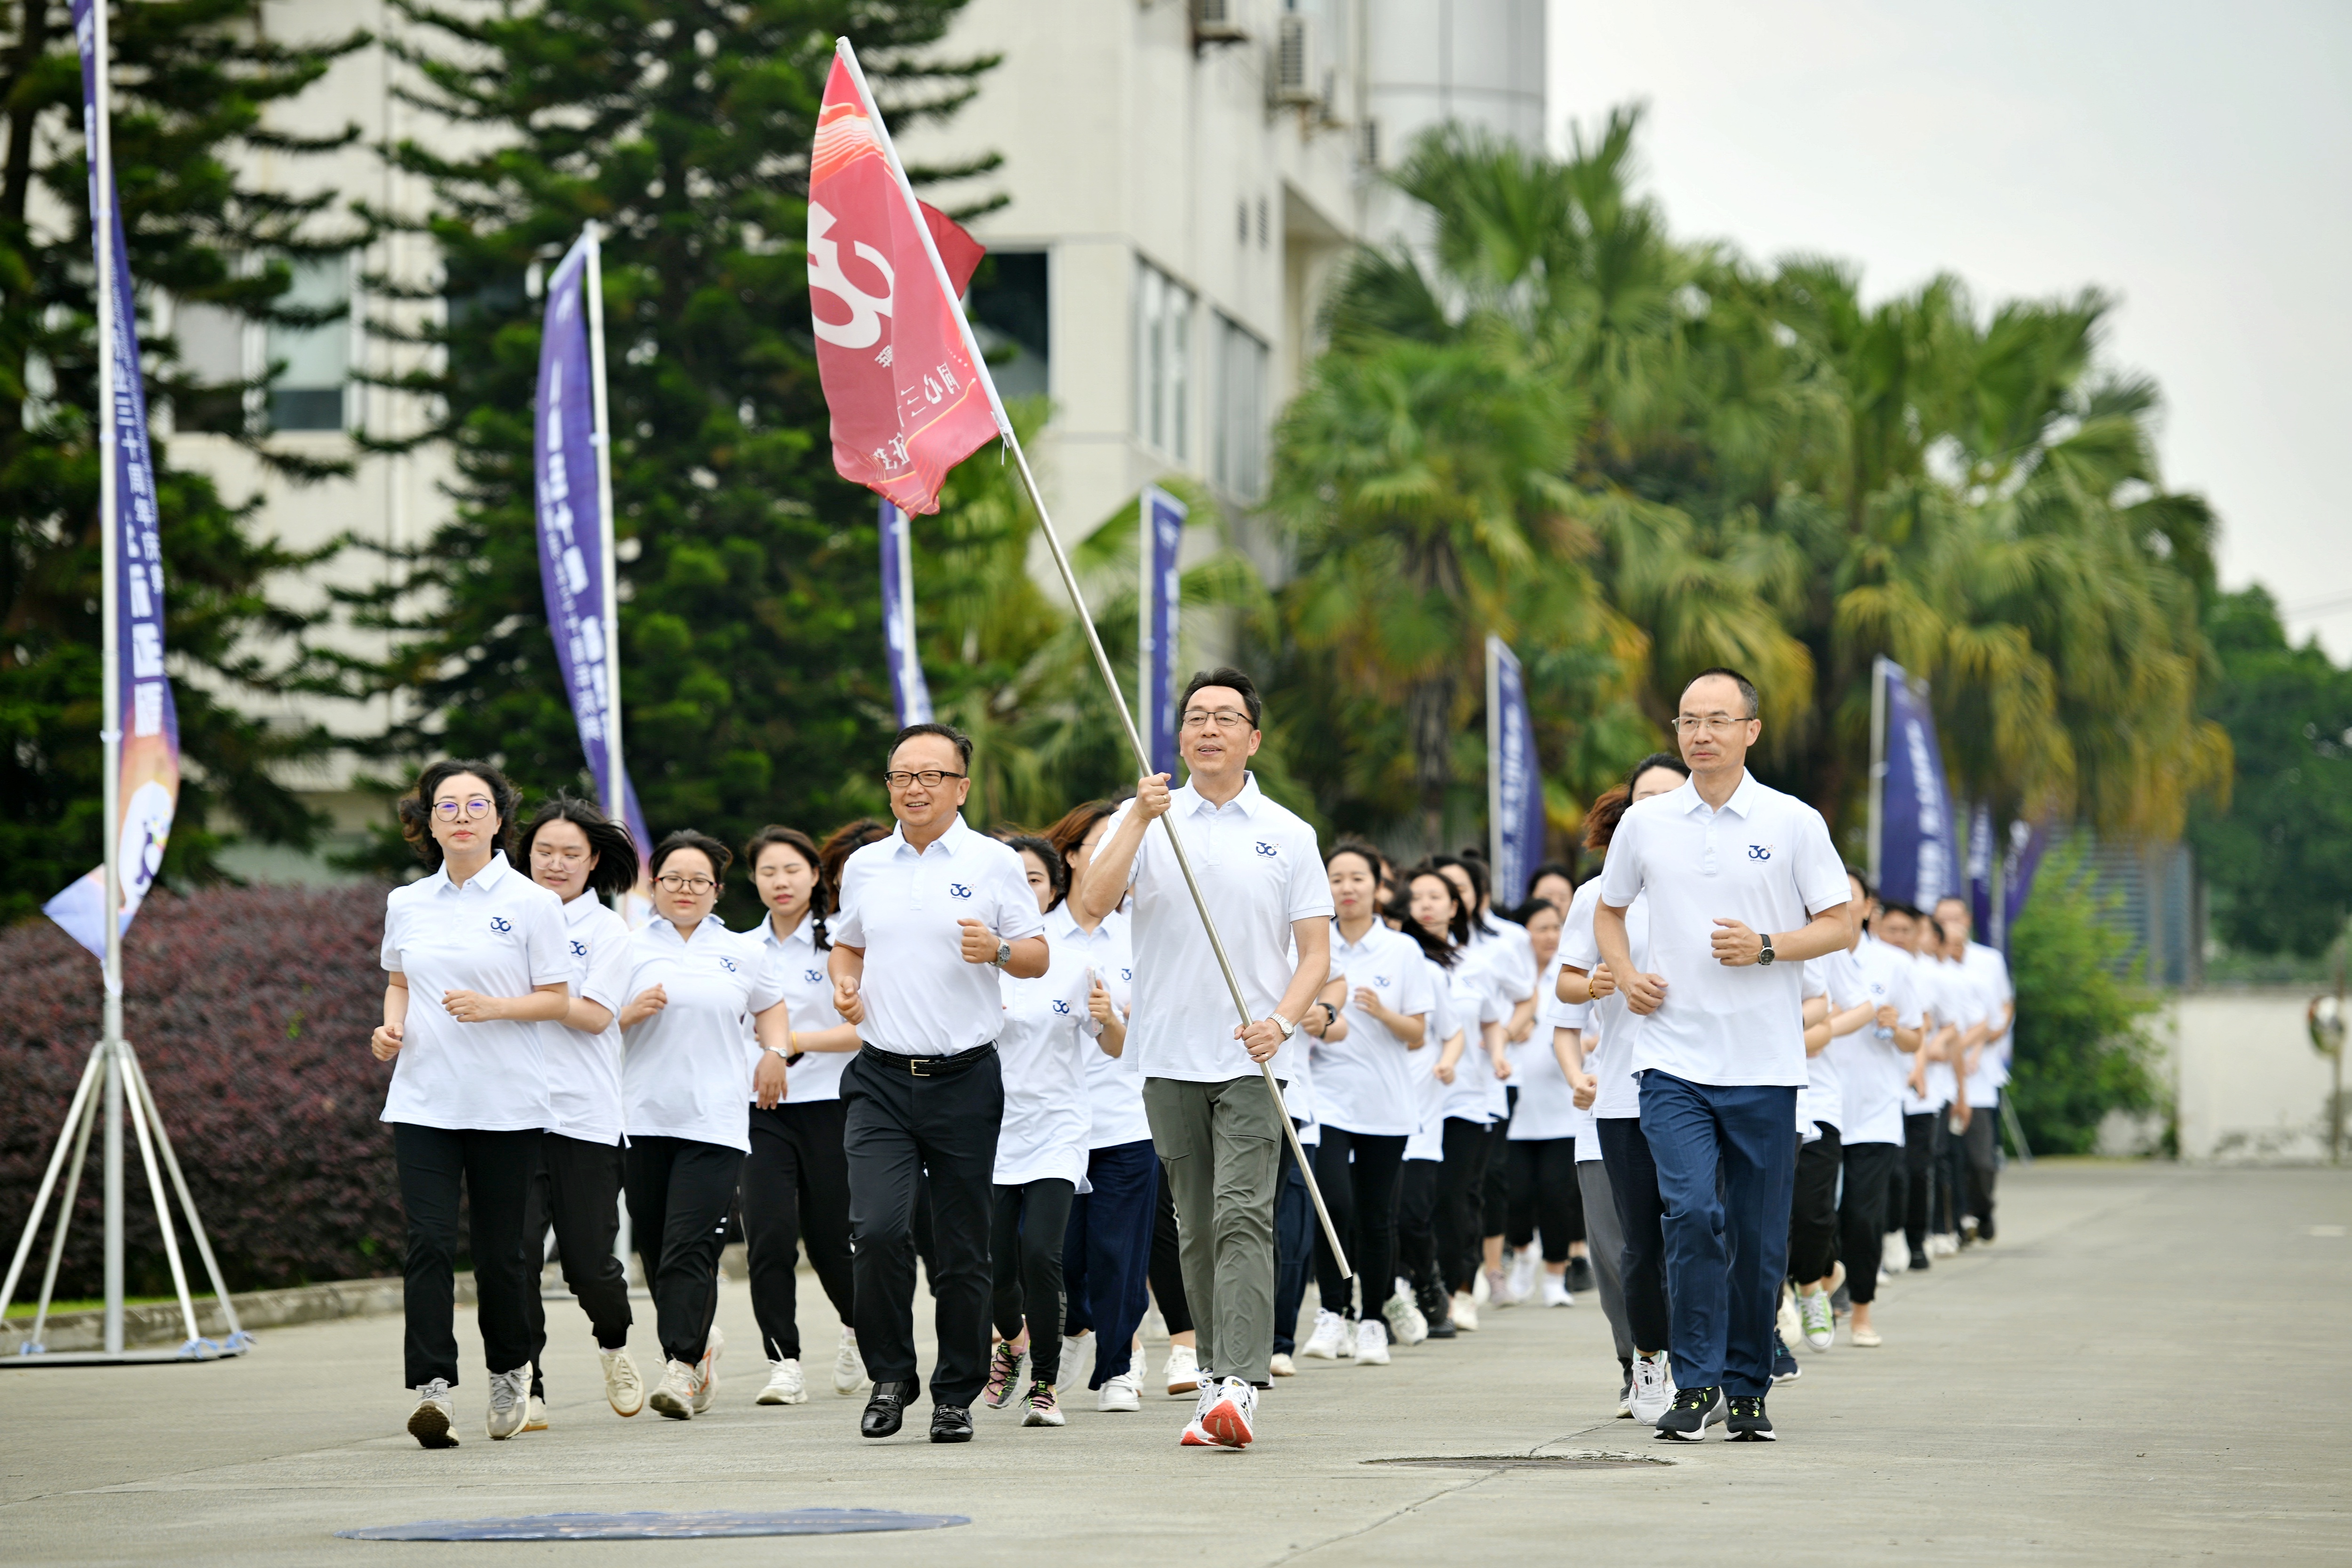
<point x="1363" y="848"/>
<point x="1560" y="869"/>
<point x="1898" y="907"/>
<point x="416" y="806"/>
<point x="1057" y="870"/>
<point x="616" y="853"/>
<point x="1746" y="686"/>
<point x="1223" y="675"/>
<point x="948" y="733"/>
<point x="720" y="856"/>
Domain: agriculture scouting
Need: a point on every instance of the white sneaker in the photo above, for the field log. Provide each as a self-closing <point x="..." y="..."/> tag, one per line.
<point x="435" y="1414"/>
<point x="1183" y="1372"/>
<point x="1481" y="1288"/>
<point x="706" y="1371"/>
<point x="624" y="1391"/>
<point x="1555" y="1290"/>
<point x="674" y="1395"/>
<point x="1124" y="1392"/>
<point x="1498" y="1288"/>
<point x="1281" y="1366"/>
<point x="1406" y="1325"/>
<point x="509" y="1401"/>
<point x="1523" y="1270"/>
<point x="849" y="1367"/>
<point x="784" y="1384"/>
<point x="1792" y="1327"/>
<point x="1330" y="1331"/>
<point x="534" y="1418"/>
<point x="1813" y="1313"/>
<point x="1230" y="1417"/>
<point x="1372" y="1342"/>
<point x="1466" y="1312"/>
<point x="1654" y="1388"/>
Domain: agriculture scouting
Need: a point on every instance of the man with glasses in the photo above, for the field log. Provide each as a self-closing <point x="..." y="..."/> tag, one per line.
<point x="1744" y="885"/>
<point x="1212" y="1119"/>
<point x="927" y="916"/>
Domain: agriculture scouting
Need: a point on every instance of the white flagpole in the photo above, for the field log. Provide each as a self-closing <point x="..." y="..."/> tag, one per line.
<point x="1877" y="761"/>
<point x="848" y="57"/>
<point x="593" y="285"/>
<point x="1493" y="757"/>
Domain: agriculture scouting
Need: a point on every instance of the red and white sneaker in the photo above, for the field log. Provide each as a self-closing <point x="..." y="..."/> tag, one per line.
<point x="1196" y="1436"/>
<point x="1232" y="1414"/>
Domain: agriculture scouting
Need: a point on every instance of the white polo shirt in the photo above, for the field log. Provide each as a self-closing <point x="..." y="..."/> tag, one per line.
<point x="685" y="1076"/>
<point x="1259" y="870"/>
<point x="1044" y="1047"/>
<point x="1989" y="971"/>
<point x="583" y="1072"/>
<point x="1546" y="1106"/>
<point x="901" y="907"/>
<point x="501" y="934"/>
<point x="1809" y="1097"/>
<point x="1765" y="858"/>
<point x="1871" y="1066"/>
<point x="1611" y="1058"/>
<point x="1552" y="1014"/>
<point x="1114" y="1087"/>
<point x="1365" y="1083"/>
<point x="1477" y="1001"/>
<point x="798" y="971"/>
<point x="1428" y="1141"/>
<point x="1822" y="1102"/>
<point x="1962" y="1005"/>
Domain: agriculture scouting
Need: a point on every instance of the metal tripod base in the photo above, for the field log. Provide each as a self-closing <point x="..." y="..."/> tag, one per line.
<point x="193" y="1350"/>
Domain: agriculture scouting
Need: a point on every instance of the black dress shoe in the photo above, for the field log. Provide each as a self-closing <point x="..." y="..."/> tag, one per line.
<point x="886" y="1409"/>
<point x="1442" y="1329"/>
<point x="950" y="1424"/>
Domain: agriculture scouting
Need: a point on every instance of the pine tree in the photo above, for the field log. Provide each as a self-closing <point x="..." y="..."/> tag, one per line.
<point x="751" y="642"/>
<point x="193" y="80"/>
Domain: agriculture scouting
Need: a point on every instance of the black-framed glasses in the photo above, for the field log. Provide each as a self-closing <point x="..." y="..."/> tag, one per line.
<point x="475" y="809"/>
<point x="677" y="882"/>
<point x="929" y="778"/>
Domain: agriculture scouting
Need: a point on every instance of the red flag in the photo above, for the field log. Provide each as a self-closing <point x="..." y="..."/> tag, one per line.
<point x="906" y="404"/>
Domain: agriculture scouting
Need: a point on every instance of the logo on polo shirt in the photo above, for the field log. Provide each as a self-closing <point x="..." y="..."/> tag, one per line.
<point x="1382" y="980"/>
<point x="1760" y="852"/>
<point x="1268" y="851"/>
<point x="498" y="923"/>
<point x="957" y="890"/>
<point x="1125" y="975"/>
<point x="728" y="964"/>
<point x="812" y="976"/>
<point x="1062" y="1006"/>
<point x="579" y="949"/>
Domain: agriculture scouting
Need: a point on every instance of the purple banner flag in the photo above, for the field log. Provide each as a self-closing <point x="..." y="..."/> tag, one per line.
<point x="1915" y="859"/>
<point x="1514" y="791"/>
<point x="2026" y="843"/>
<point x="575" y="534"/>
<point x="1158" y="618"/>
<point x="1980" y="870"/>
<point x="143" y="713"/>
<point x="909" y="692"/>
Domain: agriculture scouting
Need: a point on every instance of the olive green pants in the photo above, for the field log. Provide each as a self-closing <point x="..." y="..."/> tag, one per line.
<point x="1222" y="1145"/>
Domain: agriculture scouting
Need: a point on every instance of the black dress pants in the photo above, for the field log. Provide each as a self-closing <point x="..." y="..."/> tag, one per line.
<point x="1461" y="1202"/>
<point x="1417" y="1226"/>
<point x="1362" y="1194"/>
<point x="1870" y="1171"/>
<point x="795" y="1189"/>
<point x="1024" y="1247"/>
<point x="577" y="1192"/>
<point x="1166" y="1273"/>
<point x="896" y="1124"/>
<point x="1983" y="1146"/>
<point x="1813" y="1209"/>
<point x="1544" y="1196"/>
<point x="1918" y="1180"/>
<point x="495" y="1170"/>
<point x="1633" y="1184"/>
<point x="681" y="1191"/>
<point x="1295" y="1235"/>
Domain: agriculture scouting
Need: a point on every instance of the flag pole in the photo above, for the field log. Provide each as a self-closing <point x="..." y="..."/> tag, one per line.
<point x="1877" y="761"/>
<point x="1494" y="755"/>
<point x="848" y="57"/>
<point x="593" y="285"/>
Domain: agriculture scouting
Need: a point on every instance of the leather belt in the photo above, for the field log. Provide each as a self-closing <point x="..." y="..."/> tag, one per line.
<point x="925" y="1067"/>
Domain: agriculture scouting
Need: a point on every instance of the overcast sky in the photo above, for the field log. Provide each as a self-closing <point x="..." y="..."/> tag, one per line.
<point x="2193" y="160"/>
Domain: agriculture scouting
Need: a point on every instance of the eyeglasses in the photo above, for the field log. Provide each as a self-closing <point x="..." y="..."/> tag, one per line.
<point x="476" y="808"/>
<point x="929" y="778"/>
<point x="1226" y="719"/>
<point x="1715" y="723"/>
<point x="673" y="882"/>
<point x="547" y="854"/>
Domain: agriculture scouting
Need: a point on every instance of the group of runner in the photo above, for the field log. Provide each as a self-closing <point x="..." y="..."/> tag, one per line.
<point x="1017" y="1056"/>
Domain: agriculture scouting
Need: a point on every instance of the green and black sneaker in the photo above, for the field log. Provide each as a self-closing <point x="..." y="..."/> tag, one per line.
<point x="1693" y="1412"/>
<point x="1748" y="1424"/>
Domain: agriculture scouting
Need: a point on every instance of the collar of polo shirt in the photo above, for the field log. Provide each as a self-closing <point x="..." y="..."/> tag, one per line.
<point x="1246" y="802"/>
<point x="958" y="833"/>
<point x="487" y="878"/>
<point x="1742" y="803"/>
<point x="664" y="929"/>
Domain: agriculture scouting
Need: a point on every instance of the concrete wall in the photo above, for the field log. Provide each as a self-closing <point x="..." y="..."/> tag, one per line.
<point x="2248" y="1086"/>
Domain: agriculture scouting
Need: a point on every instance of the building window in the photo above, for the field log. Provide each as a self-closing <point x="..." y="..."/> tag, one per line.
<point x="212" y="352"/>
<point x="1012" y="317"/>
<point x="312" y="362"/>
<point x="1163" y="354"/>
<point x="1238" y="461"/>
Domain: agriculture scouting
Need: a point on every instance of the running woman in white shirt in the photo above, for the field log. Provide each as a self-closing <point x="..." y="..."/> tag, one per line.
<point x="696" y="990"/>
<point x="1987" y="1066"/>
<point x="575" y="853"/>
<point x="476" y="963"/>
<point x="796" y="1178"/>
<point x="1740" y="876"/>
<point x="1541" y="1141"/>
<point x="1434" y="917"/>
<point x="1822" y="1124"/>
<point x="1871" y="1063"/>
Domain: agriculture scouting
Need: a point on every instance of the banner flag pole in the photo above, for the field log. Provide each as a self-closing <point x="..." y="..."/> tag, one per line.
<point x="848" y="57"/>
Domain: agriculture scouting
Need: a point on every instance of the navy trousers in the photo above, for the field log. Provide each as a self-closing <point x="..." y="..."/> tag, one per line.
<point x="1727" y="1159"/>
<point x="1295" y="1231"/>
<point x="1107" y="1253"/>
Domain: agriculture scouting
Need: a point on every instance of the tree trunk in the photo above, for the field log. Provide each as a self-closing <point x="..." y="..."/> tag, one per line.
<point x="1429" y="716"/>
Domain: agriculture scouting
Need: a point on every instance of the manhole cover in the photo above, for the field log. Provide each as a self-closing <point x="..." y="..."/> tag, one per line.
<point x="1587" y="1461"/>
<point x="658" y="1526"/>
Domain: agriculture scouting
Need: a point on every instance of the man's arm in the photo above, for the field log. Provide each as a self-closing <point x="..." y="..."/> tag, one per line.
<point x="1644" y="993"/>
<point x="1113" y="867"/>
<point x="1312" y="936"/>
<point x="1737" y="945"/>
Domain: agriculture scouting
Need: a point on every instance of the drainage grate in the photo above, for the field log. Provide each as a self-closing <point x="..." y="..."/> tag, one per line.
<point x="1594" y="1460"/>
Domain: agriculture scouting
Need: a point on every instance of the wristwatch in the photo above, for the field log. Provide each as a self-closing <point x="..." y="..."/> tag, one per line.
<point x="1284" y="1025"/>
<point x="1765" y="956"/>
<point x="1330" y="1014"/>
<point x="1003" y="953"/>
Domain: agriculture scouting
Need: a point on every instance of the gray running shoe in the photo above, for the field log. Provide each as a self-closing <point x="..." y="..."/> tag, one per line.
<point x="509" y="1401"/>
<point x="435" y="1412"/>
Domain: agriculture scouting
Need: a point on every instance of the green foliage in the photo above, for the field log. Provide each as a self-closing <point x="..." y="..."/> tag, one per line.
<point x="192" y="78"/>
<point x="2082" y="1047"/>
<point x="2279" y="863"/>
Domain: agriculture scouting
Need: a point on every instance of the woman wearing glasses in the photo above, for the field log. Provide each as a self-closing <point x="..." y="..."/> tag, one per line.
<point x="575" y="851"/>
<point x="694" y="988"/>
<point x="476" y="962"/>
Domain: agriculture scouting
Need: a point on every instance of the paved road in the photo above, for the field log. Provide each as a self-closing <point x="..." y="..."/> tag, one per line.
<point x="2152" y="1365"/>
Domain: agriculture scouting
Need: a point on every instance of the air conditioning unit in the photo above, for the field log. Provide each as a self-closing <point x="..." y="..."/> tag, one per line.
<point x="1294" y="82"/>
<point x="1218" y="22"/>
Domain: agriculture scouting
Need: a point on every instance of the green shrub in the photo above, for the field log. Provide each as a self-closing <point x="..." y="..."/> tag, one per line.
<point x="2083" y="1043"/>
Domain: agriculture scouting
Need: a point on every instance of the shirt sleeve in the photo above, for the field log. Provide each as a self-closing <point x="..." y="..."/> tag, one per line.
<point x="1415" y="993"/>
<point x="390" y="956"/>
<point x="1820" y="875"/>
<point x="1621" y="873"/>
<point x="606" y="984"/>
<point x="847" y="929"/>
<point x="1017" y="915"/>
<point x="550" y="954"/>
<point x="1815" y="985"/>
<point x="1310" y="890"/>
<point x="768" y="979"/>
<point x="1904" y="994"/>
<point x="1846" y="990"/>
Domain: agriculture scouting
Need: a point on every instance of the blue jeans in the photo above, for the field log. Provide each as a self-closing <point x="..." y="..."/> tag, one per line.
<point x="1106" y="1248"/>
<point x="1295" y="1230"/>
<point x="1727" y="1159"/>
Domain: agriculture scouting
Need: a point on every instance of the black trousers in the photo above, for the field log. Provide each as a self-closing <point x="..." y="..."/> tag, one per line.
<point x="1166" y="1272"/>
<point x="1544" y="1196"/>
<point x="795" y="1190"/>
<point x="1813" y="1207"/>
<point x="1362" y="1194"/>
<point x="681" y="1192"/>
<point x="1870" y="1171"/>
<point x="1951" y="1173"/>
<point x="1983" y="1146"/>
<point x="495" y="1170"/>
<point x="1461" y="1202"/>
<point x="1025" y="1229"/>
<point x="1417" y="1225"/>
<point x="1495" y="1195"/>
<point x="1106" y="1251"/>
<point x="577" y="1191"/>
<point x="1633" y="1184"/>
<point x="897" y="1124"/>
<point x="1295" y="1241"/>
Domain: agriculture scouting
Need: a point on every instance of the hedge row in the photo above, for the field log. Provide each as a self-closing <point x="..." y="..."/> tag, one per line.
<point x="249" y="1008"/>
